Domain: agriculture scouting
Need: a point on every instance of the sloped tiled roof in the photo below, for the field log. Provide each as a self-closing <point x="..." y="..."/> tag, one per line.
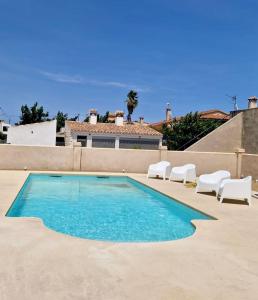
<point x="214" y="114"/>
<point x="111" y="128"/>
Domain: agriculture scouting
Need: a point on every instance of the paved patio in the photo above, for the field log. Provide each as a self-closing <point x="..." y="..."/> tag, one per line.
<point x="220" y="261"/>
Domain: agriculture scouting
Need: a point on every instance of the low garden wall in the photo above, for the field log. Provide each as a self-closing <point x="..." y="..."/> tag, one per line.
<point x="206" y="162"/>
<point x="137" y="161"/>
<point x="118" y="160"/>
<point x="13" y="157"/>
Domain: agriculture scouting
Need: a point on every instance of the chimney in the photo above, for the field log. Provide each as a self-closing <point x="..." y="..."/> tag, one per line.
<point x="119" y="118"/>
<point x="93" y="116"/>
<point x="252" y="102"/>
<point x="141" y="120"/>
<point x="168" y="113"/>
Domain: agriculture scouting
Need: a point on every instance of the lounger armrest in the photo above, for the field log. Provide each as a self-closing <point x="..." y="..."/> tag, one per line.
<point x="152" y="165"/>
<point x="233" y="183"/>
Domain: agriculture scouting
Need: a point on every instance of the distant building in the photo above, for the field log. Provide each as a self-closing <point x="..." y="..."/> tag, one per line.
<point x="36" y="134"/>
<point x="111" y="135"/>
<point x="212" y="114"/>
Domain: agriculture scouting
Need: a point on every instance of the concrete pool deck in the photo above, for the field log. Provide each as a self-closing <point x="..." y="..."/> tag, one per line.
<point x="220" y="261"/>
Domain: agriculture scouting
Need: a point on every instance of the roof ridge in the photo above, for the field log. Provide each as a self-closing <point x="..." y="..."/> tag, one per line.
<point x="111" y="128"/>
<point x="212" y="110"/>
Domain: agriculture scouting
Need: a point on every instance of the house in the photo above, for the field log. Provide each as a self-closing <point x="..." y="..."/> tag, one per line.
<point x="36" y="134"/>
<point x="212" y="114"/>
<point x="111" y="135"/>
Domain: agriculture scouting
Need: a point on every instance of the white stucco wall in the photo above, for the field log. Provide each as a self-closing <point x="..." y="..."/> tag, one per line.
<point x="37" y="134"/>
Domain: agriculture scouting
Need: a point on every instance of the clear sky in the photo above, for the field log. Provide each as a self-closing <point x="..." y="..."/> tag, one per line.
<point x="77" y="55"/>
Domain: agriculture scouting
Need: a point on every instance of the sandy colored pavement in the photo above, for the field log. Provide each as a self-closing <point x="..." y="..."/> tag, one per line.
<point x="220" y="261"/>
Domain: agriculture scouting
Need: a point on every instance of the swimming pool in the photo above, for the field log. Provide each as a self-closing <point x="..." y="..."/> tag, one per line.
<point x="109" y="208"/>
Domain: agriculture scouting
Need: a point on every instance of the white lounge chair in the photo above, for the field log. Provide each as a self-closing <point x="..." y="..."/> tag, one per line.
<point x="236" y="189"/>
<point x="256" y="194"/>
<point x="211" y="182"/>
<point x="183" y="173"/>
<point x="161" y="169"/>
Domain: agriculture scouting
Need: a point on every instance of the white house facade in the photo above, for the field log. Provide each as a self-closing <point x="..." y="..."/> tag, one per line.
<point x="111" y="135"/>
<point x="36" y="134"/>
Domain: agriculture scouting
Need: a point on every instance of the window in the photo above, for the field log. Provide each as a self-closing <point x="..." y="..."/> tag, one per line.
<point x="82" y="139"/>
<point x="103" y="142"/>
<point x="5" y="128"/>
<point x="60" y="141"/>
<point x="138" y="143"/>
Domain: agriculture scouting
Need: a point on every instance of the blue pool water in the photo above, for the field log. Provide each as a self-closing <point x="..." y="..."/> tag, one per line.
<point x="104" y="208"/>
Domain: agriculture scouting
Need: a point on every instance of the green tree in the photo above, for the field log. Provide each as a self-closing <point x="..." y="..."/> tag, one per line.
<point x="132" y="102"/>
<point x="33" y="114"/>
<point x="104" y="118"/>
<point x="182" y="133"/>
<point x="60" y="120"/>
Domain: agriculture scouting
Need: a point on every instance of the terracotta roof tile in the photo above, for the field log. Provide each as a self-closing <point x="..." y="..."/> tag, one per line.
<point x="130" y="129"/>
<point x="214" y="114"/>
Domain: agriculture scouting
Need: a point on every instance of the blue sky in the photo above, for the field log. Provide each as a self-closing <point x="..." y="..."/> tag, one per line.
<point x="77" y="55"/>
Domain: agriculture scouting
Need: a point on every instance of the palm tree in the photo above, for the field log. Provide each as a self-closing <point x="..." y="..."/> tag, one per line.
<point x="132" y="102"/>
